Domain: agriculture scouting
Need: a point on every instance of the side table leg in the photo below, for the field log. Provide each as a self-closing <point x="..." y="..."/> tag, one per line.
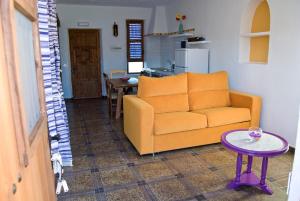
<point x="249" y="165"/>
<point x="263" y="184"/>
<point x="236" y="181"/>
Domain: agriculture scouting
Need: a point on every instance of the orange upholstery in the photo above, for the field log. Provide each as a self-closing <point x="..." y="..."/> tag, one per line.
<point x="178" y="122"/>
<point x="192" y="138"/>
<point x="169" y="103"/>
<point x="167" y="94"/>
<point x="252" y="102"/>
<point x="158" y="119"/>
<point x="225" y="115"/>
<point x="208" y="90"/>
<point x="138" y="122"/>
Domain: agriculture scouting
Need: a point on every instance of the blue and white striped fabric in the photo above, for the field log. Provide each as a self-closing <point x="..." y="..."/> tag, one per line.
<point x="55" y="104"/>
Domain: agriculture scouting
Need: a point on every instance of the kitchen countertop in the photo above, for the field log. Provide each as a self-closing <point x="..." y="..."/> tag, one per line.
<point x="159" y="72"/>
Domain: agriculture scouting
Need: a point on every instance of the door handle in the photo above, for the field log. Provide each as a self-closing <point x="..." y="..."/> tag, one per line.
<point x="19" y="178"/>
<point x="14" y="189"/>
<point x="14" y="186"/>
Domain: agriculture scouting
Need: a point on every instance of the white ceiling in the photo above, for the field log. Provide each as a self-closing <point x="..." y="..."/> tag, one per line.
<point x="129" y="3"/>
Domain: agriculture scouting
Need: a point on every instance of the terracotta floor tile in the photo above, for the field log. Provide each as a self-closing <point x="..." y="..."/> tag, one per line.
<point x="109" y="160"/>
<point x="77" y="137"/>
<point x="134" y="157"/>
<point x="105" y="146"/>
<point x="170" y="190"/>
<point x="150" y="171"/>
<point x="78" y="150"/>
<point x="207" y="181"/>
<point x="188" y="165"/>
<point x="181" y="153"/>
<point x="78" y="142"/>
<point x="227" y="195"/>
<point x="81" y="182"/>
<point x="257" y="194"/>
<point x="132" y="194"/>
<point x="218" y="158"/>
<point x="81" y="163"/>
<point x="116" y="176"/>
<point x="82" y="198"/>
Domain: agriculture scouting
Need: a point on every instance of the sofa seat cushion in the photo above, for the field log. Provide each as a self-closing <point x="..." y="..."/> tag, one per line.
<point x="225" y="115"/>
<point x="165" y="123"/>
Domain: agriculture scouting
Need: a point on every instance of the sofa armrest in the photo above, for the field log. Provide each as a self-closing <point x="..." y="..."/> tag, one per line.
<point x="252" y="102"/>
<point x="139" y="123"/>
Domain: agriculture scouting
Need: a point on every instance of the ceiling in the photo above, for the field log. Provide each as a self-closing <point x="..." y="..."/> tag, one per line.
<point x="129" y="3"/>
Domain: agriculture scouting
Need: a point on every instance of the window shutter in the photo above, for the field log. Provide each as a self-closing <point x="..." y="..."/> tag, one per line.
<point x="135" y="42"/>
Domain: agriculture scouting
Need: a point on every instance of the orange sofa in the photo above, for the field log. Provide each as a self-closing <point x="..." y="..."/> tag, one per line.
<point x="186" y="110"/>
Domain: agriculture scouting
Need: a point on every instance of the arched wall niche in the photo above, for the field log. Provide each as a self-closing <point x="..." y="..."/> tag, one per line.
<point x="255" y="32"/>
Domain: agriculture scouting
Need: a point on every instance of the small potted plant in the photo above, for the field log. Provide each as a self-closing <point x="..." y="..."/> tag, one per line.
<point x="180" y="18"/>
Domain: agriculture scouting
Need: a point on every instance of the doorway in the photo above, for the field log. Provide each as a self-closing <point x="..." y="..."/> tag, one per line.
<point x="85" y="62"/>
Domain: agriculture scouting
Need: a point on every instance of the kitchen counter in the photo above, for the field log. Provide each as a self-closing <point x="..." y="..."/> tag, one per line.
<point x="159" y="72"/>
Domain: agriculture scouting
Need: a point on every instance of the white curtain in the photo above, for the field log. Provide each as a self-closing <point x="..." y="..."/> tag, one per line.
<point x="55" y="104"/>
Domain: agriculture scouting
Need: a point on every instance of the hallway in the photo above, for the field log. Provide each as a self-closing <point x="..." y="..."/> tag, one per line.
<point x="107" y="167"/>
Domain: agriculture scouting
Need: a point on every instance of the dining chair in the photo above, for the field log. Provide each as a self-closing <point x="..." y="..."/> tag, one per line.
<point x="111" y="94"/>
<point x="121" y="73"/>
<point x="115" y="73"/>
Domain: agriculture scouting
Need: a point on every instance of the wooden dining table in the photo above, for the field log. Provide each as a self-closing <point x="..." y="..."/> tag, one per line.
<point x="120" y="86"/>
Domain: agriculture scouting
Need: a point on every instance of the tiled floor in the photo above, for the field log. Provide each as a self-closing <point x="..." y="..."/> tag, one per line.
<point x="107" y="167"/>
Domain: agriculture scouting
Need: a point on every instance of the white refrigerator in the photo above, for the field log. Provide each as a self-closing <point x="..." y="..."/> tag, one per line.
<point x="191" y="60"/>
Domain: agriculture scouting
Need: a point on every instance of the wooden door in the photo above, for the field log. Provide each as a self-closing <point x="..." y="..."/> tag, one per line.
<point x="85" y="63"/>
<point x="25" y="166"/>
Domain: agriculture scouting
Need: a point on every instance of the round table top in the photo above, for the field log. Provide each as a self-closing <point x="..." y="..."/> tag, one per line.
<point x="268" y="145"/>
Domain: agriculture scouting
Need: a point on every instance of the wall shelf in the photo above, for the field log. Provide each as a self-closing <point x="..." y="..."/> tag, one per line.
<point x="198" y="42"/>
<point x="186" y="32"/>
<point x="257" y="63"/>
<point x="181" y="35"/>
<point x="256" y="34"/>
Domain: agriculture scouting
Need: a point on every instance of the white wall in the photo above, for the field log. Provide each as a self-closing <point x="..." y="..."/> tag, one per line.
<point x="103" y="17"/>
<point x="152" y="52"/>
<point x="278" y="82"/>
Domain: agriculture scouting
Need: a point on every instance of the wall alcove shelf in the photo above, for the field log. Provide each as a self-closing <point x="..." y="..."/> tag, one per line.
<point x="186" y="33"/>
<point x="255" y="33"/>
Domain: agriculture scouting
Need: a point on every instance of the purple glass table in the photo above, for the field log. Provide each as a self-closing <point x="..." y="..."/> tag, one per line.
<point x="269" y="145"/>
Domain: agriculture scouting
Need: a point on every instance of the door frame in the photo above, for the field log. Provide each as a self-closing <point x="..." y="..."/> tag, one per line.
<point x="294" y="180"/>
<point x="26" y="153"/>
<point x="99" y="67"/>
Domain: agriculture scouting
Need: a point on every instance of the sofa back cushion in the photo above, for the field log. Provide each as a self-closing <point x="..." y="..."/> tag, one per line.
<point x="208" y="90"/>
<point x="166" y="94"/>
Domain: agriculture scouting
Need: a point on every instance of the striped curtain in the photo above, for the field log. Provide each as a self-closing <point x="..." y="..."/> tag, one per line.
<point x="55" y="104"/>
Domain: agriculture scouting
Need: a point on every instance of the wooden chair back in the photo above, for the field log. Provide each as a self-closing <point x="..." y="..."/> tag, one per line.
<point x="114" y="73"/>
<point x="107" y="85"/>
<point x="108" y="93"/>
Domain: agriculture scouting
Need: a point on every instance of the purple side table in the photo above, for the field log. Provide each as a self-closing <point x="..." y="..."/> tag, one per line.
<point x="269" y="145"/>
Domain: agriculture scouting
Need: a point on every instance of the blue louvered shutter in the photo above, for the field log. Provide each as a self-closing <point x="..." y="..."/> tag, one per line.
<point x="135" y="45"/>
